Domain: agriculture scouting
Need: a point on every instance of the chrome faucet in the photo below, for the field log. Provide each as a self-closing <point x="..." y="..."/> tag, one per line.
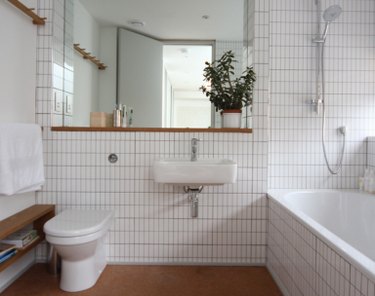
<point x="194" y="149"/>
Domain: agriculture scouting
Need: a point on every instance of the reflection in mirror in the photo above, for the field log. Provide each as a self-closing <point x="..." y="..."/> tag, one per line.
<point x="184" y="104"/>
<point x="159" y="83"/>
<point x="95" y="26"/>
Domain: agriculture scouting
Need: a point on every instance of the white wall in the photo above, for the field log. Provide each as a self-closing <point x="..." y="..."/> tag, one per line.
<point x="17" y="57"/>
<point x="107" y="78"/>
<point x="86" y="73"/>
<point x="191" y="109"/>
<point x="17" y="99"/>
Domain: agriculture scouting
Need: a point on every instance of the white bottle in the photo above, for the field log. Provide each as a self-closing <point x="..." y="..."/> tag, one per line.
<point x="369" y="180"/>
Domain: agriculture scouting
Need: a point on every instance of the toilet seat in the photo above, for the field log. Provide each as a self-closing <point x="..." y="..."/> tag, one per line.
<point x="71" y="224"/>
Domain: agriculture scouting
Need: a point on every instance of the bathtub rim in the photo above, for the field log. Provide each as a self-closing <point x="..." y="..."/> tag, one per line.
<point x="354" y="257"/>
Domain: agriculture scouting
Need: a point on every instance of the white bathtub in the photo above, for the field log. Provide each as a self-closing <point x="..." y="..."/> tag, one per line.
<point x="345" y="220"/>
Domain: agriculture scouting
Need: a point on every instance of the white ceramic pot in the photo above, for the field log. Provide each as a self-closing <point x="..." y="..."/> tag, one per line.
<point x="231" y="118"/>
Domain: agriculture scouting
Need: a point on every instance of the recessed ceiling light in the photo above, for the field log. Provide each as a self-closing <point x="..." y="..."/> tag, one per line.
<point x="137" y="23"/>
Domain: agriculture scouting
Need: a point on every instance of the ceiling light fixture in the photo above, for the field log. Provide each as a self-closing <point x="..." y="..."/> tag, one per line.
<point x="137" y="23"/>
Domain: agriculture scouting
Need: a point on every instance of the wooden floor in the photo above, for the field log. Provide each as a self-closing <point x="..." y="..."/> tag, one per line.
<point x="128" y="280"/>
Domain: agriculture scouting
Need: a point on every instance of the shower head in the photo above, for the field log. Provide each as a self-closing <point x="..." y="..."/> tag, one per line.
<point x="331" y="13"/>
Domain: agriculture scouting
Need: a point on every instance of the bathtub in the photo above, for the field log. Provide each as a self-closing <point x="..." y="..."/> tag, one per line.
<point x="338" y="235"/>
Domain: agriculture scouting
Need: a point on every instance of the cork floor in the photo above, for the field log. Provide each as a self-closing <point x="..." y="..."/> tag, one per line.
<point x="131" y="280"/>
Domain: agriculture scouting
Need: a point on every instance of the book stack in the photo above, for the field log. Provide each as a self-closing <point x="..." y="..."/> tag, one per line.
<point x="7" y="251"/>
<point x="21" y="238"/>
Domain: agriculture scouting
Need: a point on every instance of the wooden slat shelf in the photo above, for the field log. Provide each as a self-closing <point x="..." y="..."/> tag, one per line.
<point x="37" y="20"/>
<point x="87" y="55"/>
<point x="36" y="214"/>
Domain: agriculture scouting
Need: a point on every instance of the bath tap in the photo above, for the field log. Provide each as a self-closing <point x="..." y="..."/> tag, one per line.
<point x="194" y="149"/>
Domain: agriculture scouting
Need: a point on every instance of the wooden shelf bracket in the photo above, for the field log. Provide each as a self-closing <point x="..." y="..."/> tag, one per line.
<point x="37" y="20"/>
<point x="87" y="55"/>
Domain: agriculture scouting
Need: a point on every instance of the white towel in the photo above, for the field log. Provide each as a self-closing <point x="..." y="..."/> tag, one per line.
<point x="21" y="158"/>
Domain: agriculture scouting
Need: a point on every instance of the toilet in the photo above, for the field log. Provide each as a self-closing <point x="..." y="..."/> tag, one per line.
<point x="78" y="237"/>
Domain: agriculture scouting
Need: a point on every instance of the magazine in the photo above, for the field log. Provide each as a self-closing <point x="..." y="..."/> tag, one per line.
<point x="20" y="238"/>
<point x="6" y="248"/>
<point x="7" y="255"/>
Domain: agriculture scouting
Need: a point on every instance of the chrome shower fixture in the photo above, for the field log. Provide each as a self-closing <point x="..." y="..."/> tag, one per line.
<point x="329" y="15"/>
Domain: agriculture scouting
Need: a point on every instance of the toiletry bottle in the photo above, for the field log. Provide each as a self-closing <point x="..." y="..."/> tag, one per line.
<point x="125" y="116"/>
<point x="371" y="185"/>
<point x="130" y="117"/>
<point x="117" y="117"/>
<point x="369" y="180"/>
<point x="361" y="183"/>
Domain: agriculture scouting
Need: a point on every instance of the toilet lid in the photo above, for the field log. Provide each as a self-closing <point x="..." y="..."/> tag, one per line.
<point x="71" y="223"/>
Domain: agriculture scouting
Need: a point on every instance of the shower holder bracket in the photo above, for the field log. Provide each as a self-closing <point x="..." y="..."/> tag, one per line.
<point x="342" y="130"/>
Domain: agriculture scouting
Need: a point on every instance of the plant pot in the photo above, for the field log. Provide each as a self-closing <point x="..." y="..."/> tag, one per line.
<point x="231" y="118"/>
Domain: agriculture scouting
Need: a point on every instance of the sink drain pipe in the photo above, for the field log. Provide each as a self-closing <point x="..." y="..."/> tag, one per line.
<point x="193" y="198"/>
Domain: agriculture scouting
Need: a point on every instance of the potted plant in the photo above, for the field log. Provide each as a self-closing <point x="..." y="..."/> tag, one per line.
<point x="228" y="94"/>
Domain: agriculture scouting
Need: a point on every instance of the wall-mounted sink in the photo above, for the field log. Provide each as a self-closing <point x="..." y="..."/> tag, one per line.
<point x="200" y="172"/>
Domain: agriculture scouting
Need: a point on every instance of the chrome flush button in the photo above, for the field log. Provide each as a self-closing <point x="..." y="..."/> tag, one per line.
<point x="112" y="158"/>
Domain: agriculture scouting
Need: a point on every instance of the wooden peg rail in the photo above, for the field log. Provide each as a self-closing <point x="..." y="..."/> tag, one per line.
<point x="37" y="20"/>
<point x="88" y="56"/>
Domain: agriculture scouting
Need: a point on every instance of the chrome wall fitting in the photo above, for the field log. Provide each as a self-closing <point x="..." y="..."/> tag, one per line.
<point x="193" y="198"/>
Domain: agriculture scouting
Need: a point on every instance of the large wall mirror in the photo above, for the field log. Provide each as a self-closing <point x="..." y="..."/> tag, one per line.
<point x="154" y="52"/>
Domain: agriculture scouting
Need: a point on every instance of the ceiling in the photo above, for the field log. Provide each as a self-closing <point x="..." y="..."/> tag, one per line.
<point x="184" y="64"/>
<point x="173" y="19"/>
<point x="176" y="19"/>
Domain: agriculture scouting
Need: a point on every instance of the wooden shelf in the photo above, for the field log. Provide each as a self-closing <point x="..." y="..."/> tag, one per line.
<point x="87" y="55"/>
<point x="37" y="20"/>
<point x="149" y="129"/>
<point x="36" y="214"/>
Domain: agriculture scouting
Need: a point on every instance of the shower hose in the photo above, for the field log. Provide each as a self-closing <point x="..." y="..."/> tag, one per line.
<point x="342" y="130"/>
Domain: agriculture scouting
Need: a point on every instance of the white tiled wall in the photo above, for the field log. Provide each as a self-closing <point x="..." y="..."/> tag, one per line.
<point x="302" y="264"/>
<point x="296" y="158"/>
<point x="371" y="152"/>
<point x="152" y="222"/>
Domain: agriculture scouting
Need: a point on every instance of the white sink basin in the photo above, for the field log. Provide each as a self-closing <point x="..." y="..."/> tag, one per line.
<point x="200" y="172"/>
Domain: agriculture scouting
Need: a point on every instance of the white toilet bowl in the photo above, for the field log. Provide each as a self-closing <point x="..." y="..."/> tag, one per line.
<point x="78" y="237"/>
